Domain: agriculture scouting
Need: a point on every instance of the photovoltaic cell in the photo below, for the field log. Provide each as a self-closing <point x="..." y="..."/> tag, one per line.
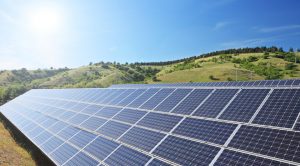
<point x="142" y="138"/>
<point x="108" y="112"/>
<point x="271" y="142"/>
<point x="156" y="162"/>
<point x="63" y="153"/>
<point x="160" y="121"/>
<point x="127" y="156"/>
<point x="113" y="129"/>
<point x="129" y="115"/>
<point x="229" y="158"/>
<point x="215" y="132"/>
<point x="101" y="147"/>
<point x="185" y="152"/>
<point x="93" y="123"/>
<point x="82" y="138"/>
<point x="131" y="97"/>
<point x="215" y="103"/>
<point x="243" y="107"/>
<point x="281" y="109"/>
<point x="170" y="102"/>
<point x="143" y="98"/>
<point x="82" y="159"/>
<point x="51" y="144"/>
<point x="156" y="99"/>
<point x="190" y="103"/>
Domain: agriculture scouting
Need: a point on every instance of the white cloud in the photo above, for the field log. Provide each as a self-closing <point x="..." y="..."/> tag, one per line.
<point x="278" y="28"/>
<point x="221" y="25"/>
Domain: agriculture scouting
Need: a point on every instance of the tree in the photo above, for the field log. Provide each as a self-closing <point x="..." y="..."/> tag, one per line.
<point x="291" y="50"/>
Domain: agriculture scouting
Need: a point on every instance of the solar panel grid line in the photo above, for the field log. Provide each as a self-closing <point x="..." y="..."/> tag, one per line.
<point x="111" y="153"/>
<point x="120" y="94"/>
<point x="155" y="95"/>
<point x="114" y="94"/>
<point x="148" y="98"/>
<point x="228" y="104"/>
<point x="133" y="125"/>
<point x="55" y="162"/>
<point x="65" y="141"/>
<point x="164" y="99"/>
<point x="171" y="131"/>
<point x="203" y="101"/>
<point x="149" y="161"/>
<point x="96" y="96"/>
<point x="137" y="97"/>
<point x="82" y="150"/>
<point x="296" y="121"/>
<point x="225" y="145"/>
<point x="182" y="100"/>
<point x="198" y="117"/>
<point x="261" y="105"/>
<point x="89" y="115"/>
<point x="230" y="122"/>
<point x="126" y="96"/>
<point x="43" y="131"/>
<point x="179" y="136"/>
<point x="101" y="98"/>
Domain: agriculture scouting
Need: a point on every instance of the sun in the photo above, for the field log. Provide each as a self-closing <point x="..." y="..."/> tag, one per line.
<point x="44" y="20"/>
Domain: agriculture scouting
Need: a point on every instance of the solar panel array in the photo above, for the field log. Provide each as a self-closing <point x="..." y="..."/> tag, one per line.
<point x="157" y="125"/>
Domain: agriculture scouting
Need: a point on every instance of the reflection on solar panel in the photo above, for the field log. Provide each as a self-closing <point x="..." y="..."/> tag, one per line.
<point x="222" y="123"/>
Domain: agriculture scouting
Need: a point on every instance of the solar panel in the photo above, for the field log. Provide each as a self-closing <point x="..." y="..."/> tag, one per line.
<point x="224" y="123"/>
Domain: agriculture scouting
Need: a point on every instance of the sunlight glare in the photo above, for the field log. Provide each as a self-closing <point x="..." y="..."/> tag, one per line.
<point x="44" y="21"/>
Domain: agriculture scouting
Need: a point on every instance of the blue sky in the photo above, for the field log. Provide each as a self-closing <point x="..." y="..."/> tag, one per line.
<point x="72" y="33"/>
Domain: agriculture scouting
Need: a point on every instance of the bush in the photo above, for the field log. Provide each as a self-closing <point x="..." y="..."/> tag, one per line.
<point x="290" y="66"/>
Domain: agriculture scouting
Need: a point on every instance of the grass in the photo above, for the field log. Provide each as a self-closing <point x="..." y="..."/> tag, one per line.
<point x="11" y="153"/>
<point x="220" y="72"/>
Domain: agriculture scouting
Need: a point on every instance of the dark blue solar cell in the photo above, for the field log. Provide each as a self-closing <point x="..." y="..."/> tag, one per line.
<point x="271" y="142"/>
<point x="113" y="129"/>
<point x="68" y="132"/>
<point x="215" y="132"/>
<point x="78" y="119"/>
<point x="82" y="138"/>
<point x="129" y="115"/>
<point x="243" y="107"/>
<point x="229" y="157"/>
<point x="143" y="98"/>
<point x="157" y="98"/>
<point x="93" y="123"/>
<point x="281" y="83"/>
<point x="186" y="152"/>
<point x="63" y="153"/>
<point x="156" y="162"/>
<point x="82" y="159"/>
<point x="169" y="103"/>
<point x="160" y="121"/>
<point x="48" y="122"/>
<point x="281" y="109"/>
<point x="131" y="97"/>
<point x="66" y="115"/>
<point x="42" y="137"/>
<point x="190" y="103"/>
<point x="99" y="95"/>
<point x="142" y="138"/>
<point x="101" y="147"/>
<point x="34" y="132"/>
<point x="215" y="103"/>
<point x="78" y="107"/>
<point x="127" y="156"/>
<point x="51" y="144"/>
<point x="57" y="127"/>
<point x="108" y="112"/>
<point x="296" y="82"/>
<point x="115" y="93"/>
<point x="121" y="97"/>
<point x="289" y="82"/>
<point x="92" y="109"/>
